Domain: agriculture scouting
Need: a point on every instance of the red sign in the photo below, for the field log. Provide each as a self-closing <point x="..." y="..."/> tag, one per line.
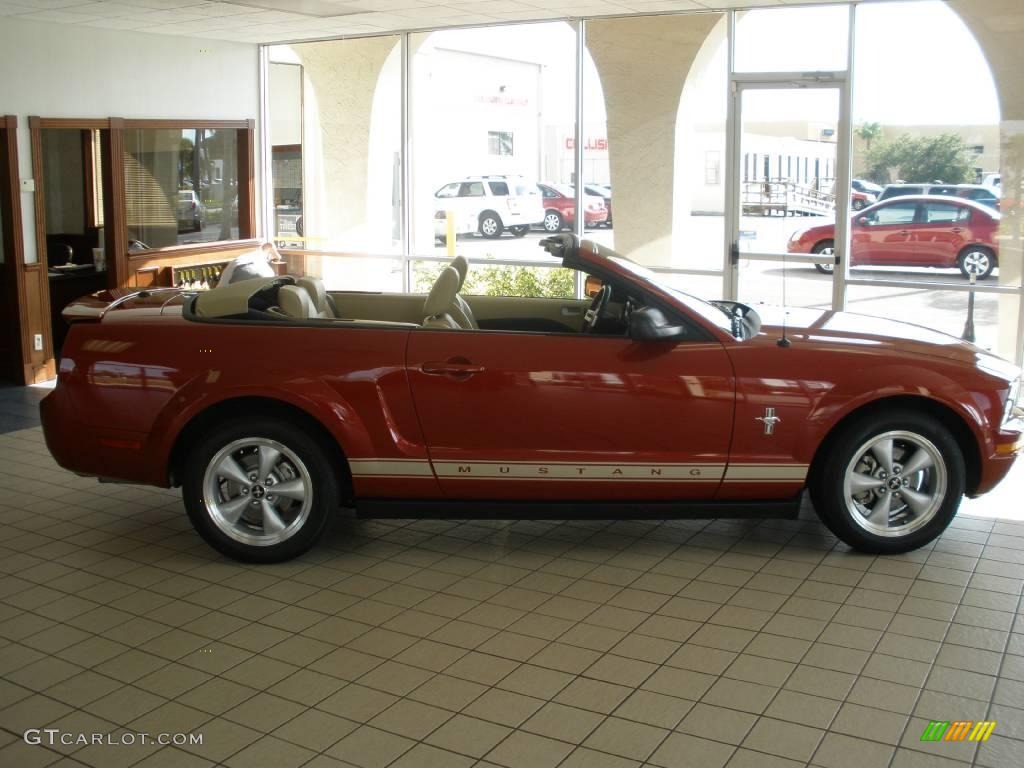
<point x="592" y="144"/>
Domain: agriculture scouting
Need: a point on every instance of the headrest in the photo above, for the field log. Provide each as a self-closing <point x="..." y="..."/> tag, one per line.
<point x="443" y="294"/>
<point x="317" y="292"/>
<point x="295" y="302"/>
<point x="460" y="265"/>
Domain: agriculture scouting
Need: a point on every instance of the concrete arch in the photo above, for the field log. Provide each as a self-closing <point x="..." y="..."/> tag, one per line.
<point x="643" y="63"/>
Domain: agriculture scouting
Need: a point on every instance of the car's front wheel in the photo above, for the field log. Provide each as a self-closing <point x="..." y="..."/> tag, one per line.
<point x="976" y="260"/>
<point x="519" y="230"/>
<point x="826" y="248"/>
<point x="890" y="483"/>
<point x="260" y="491"/>
<point x="553" y="221"/>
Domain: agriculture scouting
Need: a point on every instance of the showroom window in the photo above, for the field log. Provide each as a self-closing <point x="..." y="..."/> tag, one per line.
<point x="751" y="126"/>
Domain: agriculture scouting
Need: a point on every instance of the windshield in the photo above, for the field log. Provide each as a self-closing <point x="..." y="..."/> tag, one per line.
<point x="717" y="316"/>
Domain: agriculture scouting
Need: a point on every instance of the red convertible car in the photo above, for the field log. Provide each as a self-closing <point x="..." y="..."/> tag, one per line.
<point x="919" y="231"/>
<point x="275" y="404"/>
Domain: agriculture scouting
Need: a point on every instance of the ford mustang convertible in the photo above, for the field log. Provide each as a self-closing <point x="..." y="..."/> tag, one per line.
<point x="275" y="404"/>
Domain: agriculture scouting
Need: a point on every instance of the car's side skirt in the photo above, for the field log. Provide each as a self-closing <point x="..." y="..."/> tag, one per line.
<point x="483" y="509"/>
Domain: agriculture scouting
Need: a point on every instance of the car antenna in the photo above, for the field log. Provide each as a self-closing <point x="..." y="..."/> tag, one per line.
<point x="784" y="341"/>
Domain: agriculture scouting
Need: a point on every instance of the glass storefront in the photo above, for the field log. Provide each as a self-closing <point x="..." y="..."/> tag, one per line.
<point x="708" y="146"/>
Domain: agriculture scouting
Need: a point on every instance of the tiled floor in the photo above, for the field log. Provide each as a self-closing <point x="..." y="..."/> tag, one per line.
<point x="516" y="644"/>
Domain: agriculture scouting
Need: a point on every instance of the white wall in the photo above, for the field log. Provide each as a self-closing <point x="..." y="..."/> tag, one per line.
<point x="60" y="70"/>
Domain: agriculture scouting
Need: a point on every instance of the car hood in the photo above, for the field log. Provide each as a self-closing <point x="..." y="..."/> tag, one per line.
<point x="849" y="329"/>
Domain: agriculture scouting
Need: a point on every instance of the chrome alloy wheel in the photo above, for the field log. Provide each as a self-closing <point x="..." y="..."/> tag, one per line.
<point x="257" y="491"/>
<point x="830" y="266"/>
<point x="489" y="226"/>
<point x="895" y="483"/>
<point x="552" y="222"/>
<point x="977" y="262"/>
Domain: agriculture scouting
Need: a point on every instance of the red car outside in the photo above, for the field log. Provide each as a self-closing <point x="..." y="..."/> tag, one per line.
<point x="914" y="231"/>
<point x="275" y="404"/>
<point x="560" y="207"/>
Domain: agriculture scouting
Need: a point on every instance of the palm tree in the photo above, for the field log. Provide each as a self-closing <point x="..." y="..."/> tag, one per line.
<point x="869" y="132"/>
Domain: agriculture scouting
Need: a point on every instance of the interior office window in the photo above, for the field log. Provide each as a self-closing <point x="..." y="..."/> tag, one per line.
<point x="181" y="186"/>
<point x="500" y="143"/>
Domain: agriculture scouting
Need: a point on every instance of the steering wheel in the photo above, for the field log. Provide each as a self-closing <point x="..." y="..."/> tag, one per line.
<point x="593" y="315"/>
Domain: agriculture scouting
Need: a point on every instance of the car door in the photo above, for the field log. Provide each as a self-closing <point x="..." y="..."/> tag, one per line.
<point x="471" y="202"/>
<point x="883" y="237"/>
<point x="940" y="235"/>
<point x="514" y="415"/>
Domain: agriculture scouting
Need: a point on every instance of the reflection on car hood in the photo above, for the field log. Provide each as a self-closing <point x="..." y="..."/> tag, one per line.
<point x="881" y="334"/>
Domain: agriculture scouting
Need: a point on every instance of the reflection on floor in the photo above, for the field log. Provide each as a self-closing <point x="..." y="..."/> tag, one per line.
<point x="533" y="644"/>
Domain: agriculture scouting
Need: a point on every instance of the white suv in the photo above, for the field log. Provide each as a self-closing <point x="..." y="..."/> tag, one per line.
<point x="488" y="205"/>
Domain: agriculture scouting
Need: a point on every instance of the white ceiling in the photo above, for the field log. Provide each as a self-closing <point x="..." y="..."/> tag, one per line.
<point x="265" y="21"/>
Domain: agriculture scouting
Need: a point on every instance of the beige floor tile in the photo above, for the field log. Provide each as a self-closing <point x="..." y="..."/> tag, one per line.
<point x="803" y="708"/>
<point x="411" y="719"/>
<point x="126" y="704"/>
<point x="654" y="709"/>
<point x="626" y="738"/>
<point x="699" y="658"/>
<point x="451" y="693"/>
<point x="270" y="751"/>
<point x="264" y="712"/>
<point x="307" y="687"/>
<point x="358" y="703"/>
<point x="559" y="721"/>
<point x="481" y="668"/>
<point x="619" y="670"/>
<point x="683" y="683"/>
<point x="754" y="669"/>
<point x="748" y="697"/>
<point x="315" y="730"/>
<point x="790" y="740"/>
<point x="869" y="723"/>
<point x="893" y="697"/>
<point x="217" y="696"/>
<point x="838" y="751"/>
<point x="594" y="695"/>
<point x="522" y="748"/>
<point x="426" y="756"/>
<point x="504" y="707"/>
<point x="370" y="748"/>
<point x="725" y="725"/>
<point x="681" y="750"/>
<point x="468" y="736"/>
<point x="821" y="682"/>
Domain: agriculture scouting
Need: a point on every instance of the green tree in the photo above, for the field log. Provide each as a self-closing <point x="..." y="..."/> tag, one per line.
<point x="868" y="132"/>
<point x="920" y="160"/>
<point x="503" y="280"/>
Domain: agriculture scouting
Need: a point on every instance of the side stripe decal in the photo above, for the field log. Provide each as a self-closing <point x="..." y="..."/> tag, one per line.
<point x="572" y="471"/>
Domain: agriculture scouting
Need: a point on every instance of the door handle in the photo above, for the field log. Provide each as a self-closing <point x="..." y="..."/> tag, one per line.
<point x="957" y="230"/>
<point x="570" y="311"/>
<point x="458" y="368"/>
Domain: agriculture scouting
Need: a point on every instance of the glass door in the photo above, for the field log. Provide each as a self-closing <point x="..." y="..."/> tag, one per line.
<point x="789" y="188"/>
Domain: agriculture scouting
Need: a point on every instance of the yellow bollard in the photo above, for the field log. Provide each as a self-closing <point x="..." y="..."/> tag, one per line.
<point x="450" y="232"/>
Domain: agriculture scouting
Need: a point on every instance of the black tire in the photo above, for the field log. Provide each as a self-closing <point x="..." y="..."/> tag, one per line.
<point x="519" y="230"/>
<point x="442" y="239"/>
<point x="553" y="221"/>
<point x="308" y="523"/>
<point x="976" y="258"/>
<point x="858" y="205"/>
<point x="490" y="225"/>
<point x="822" y="247"/>
<point x="907" y="432"/>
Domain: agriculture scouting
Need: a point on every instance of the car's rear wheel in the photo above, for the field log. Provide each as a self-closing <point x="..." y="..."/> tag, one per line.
<point x="553" y="221"/>
<point x="519" y="230"/>
<point x="825" y="248"/>
<point x="490" y="225"/>
<point x="260" y="491"/>
<point x="976" y="260"/>
<point x="890" y="483"/>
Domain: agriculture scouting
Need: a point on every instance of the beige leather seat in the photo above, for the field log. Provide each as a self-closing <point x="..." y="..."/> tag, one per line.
<point x="295" y="302"/>
<point x="314" y="286"/>
<point x="460" y="309"/>
<point x="441" y="300"/>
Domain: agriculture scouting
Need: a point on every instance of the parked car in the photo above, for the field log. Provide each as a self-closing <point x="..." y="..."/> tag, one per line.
<point x="904" y="190"/>
<point x="979" y="193"/>
<point x="993" y="181"/>
<point x="863" y="194"/>
<point x="191" y="211"/>
<point x="918" y="231"/>
<point x="640" y="402"/>
<point x="488" y="205"/>
<point x="560" y="207"/>
<point x="604" y="191"/>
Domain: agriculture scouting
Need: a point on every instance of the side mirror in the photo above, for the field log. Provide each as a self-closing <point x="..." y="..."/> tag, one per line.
<point x="650" y="324"/>
<point x="592" y="286"/>
<point x="864" y="221"/>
